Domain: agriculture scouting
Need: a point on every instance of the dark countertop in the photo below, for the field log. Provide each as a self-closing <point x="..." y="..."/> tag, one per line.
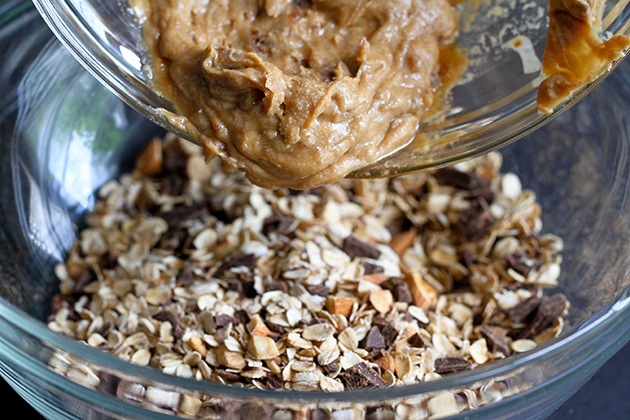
<point x="605" y="397"/>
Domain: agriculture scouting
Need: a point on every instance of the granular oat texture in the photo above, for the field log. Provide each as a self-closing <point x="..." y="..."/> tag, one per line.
<point x="363" y="283"/>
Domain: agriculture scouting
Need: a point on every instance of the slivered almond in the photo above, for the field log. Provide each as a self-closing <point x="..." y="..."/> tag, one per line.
<point x="424" y="295"/>
<point x="402" y="241"/>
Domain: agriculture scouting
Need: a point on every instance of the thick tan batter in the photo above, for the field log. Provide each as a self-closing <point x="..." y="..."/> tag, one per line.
<point x="299" y="93"/>
<point x="575" y="54"/>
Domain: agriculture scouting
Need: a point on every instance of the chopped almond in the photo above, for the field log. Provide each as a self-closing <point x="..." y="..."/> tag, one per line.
<point x="386" y="362"/>
<point x="197" y="344"/>
<point x="256" y="326"/>
<point x="230" y="359"/>
<point x="340" y="305"/>
<point x="402" y="241"/>
<point x="424" y="295"/>
<point x="262" y="348"/>
<point x="150" y="160"/>
<point x="376" y="278"/>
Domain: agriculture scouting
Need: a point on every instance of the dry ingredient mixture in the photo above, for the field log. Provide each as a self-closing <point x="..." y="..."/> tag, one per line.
<point x="195" y="271"/>
<point x="300" y="93"/>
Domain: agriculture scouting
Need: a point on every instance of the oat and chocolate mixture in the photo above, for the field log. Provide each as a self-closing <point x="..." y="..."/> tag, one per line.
<point x="196" y="272"/>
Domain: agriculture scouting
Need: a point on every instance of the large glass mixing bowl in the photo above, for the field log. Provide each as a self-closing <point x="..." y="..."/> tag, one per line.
<point x="493" y="104"/>
<point x="62" y="136"/>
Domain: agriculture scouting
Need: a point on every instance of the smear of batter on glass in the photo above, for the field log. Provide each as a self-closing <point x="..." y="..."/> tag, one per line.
<point x="575" y="53"/>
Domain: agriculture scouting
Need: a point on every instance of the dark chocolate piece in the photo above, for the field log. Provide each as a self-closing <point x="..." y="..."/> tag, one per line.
<point x="359" y="249"/>
<point x="450" y="364"/>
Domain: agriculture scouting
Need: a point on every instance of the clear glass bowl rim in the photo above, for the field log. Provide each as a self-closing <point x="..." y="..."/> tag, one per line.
<point x="584" y="336"/>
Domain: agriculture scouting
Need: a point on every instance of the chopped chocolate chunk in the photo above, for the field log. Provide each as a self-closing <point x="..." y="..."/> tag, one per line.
<point x="476" y="184"/>
<point x="521" y="262"/>
<point x="278" y="329"/>
<point x="388" y="331"/>
<point x="108" y="383"/>
<point x="242" y="316"/>
<point x="521" y="312"/>
<point x="249" y="291"/>
<point x="279" y="285"/>
<point x="87" y="277"/>
<point x="183" y="214"/>
<point x="223" y="320"/>
<point x="496" y="343"/>
<point x="475" y="221"/>
<point x="174" y="160"/>
<point x="418" y="341"/>
<point x="371" y="268"/>
<point x="320" y="414"/>
<point x="61" y="301"/>
<point x="253" y="411"/>
<point x="319" y="290"/>
<point x="332" y="367"/>
<point x="357" y="249"/>
<point x="450" y="364"/>
<point x="173" y="184"/>
<point x="247" y="260"/>
<point x="548" y="312"/>
<point x="108" y="261"/>
<point x="185" y="277"/>
<point x="228" y="376"/>
<point x="272" y="381"/>
<point x="277" y="223"/>
<point x="361" y="376"/>
<point x="174" y="239"/>
<point x="374" y="340"/>
<point x="168" y="316"/>
<point x="402" y="293"/>
<point x="458" y="179"/>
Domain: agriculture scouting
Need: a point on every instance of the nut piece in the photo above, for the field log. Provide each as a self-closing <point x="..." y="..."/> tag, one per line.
<point x="257" y="326"/>
<point x="262" y="348"/>
<point x="150" y="160"/>
<point x="340" y="305"/>
<point x="386" y="362"/>
<point x="402" y="241"/>
<point x="230" y="359"/>
<point x="382" y="300"/>
<point x="424" y="295"/>
<point x="376" y="278"/>
<point x="197" y="344"/>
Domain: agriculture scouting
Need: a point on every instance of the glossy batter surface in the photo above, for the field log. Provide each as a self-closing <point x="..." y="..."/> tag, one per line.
<point x="575" y="54"/>
<point x="299" y="93"/>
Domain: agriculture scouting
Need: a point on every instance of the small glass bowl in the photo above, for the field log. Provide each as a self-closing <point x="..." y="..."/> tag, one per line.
<point x="64" y="135"/>
<point x="493" y="104"/>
